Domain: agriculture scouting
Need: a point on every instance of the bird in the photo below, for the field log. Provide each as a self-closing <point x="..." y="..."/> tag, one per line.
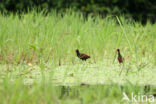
<point x="82" y="56"/>
<point x="120" y="58"/>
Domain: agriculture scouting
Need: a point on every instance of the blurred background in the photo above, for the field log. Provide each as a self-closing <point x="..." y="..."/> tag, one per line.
<point x="139" y="10"/>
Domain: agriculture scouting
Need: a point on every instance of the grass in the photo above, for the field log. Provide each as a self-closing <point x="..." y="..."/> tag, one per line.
<point x="33" y="45"/>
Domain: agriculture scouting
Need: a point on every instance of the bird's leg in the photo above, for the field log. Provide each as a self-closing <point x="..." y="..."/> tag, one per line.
<point x="83" y="64"/>
<point x="82" y="67"/>
<point x="121" y="69"/>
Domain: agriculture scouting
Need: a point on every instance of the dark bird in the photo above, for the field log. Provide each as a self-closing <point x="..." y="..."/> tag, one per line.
<point x="82" y="56"/>
<point x="120" y="59"/>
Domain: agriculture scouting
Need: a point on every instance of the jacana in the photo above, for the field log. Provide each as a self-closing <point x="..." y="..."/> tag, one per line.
<point x="82" y="56"/>
<point x="120" y="58"/>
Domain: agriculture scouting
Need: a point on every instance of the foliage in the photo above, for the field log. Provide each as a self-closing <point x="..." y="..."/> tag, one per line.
<point x="139" y="9"/>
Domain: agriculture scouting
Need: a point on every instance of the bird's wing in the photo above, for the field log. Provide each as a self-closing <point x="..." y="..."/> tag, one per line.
<point x="83" y="55"/>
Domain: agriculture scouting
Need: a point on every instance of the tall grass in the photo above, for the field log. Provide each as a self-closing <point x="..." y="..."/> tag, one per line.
<point x="33" y="37"/>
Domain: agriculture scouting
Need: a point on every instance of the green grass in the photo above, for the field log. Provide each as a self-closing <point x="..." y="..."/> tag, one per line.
<point x="32" y="45"/>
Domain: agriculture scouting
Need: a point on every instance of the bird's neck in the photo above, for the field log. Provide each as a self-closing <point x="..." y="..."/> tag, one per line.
<point x="78" y="53"/>
<point x="119" y="53"/>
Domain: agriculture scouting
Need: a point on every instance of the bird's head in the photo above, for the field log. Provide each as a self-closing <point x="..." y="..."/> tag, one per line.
<point x="118" y="50"/>
<point x="76" y="50"/>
